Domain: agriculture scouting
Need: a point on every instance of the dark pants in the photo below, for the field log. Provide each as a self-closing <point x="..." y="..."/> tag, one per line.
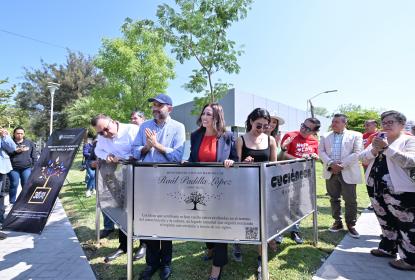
<point x="337" y="187"/>
<point x="108" y="223"/>
<point x="220" y="253"/>
<point x="395" y="213"/>
<point x="2" y="194"/>
<point x="16" y="176"/>
<point x="159" y="252"/>
<point x="122" y="238"/>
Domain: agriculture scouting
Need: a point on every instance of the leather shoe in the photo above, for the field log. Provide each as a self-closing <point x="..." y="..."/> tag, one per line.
<point x="114" y="255"/>
<point x="147" y="272"/>
<point x="141" y="252"/>
<point x="401" y="265"/>
<point x="297" y="237"/>
<point x="105" y="232"/>
<point x="3" y="235"/>
<point x="382" y="254"/>
<point x="165" y="272"/>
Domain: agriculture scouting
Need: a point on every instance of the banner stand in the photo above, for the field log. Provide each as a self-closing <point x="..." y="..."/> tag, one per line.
<point x="97" y="209"/>
<point x="315" y="227"/>
<point x="264" y="230"/>
<point x="264" y="196"/>
<point x="130" y="217"/>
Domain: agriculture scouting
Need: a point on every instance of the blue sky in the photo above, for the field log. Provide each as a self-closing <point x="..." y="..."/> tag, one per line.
<point x="293" y="49"/>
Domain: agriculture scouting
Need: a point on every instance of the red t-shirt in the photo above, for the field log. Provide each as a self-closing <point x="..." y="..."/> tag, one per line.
<point x="300" y="146"/>
<point x="207" y="149"/>
<point x="367" y="138"/>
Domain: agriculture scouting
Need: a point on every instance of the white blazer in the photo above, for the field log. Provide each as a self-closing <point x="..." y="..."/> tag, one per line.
<point x="352" y="145"/>
<point x="400" y="157"/>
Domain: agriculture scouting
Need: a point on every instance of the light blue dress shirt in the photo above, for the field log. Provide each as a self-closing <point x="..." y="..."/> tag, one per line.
<point x="7" y="145"/>
<point x="337" y="147"/>
<point x="171" y="135"/>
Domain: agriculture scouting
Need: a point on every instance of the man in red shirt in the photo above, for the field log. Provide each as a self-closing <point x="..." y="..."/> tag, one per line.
<point x="371" y="127"/>
<point x="300" y="144"/>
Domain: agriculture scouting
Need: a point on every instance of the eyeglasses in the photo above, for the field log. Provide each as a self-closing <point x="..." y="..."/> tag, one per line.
<point x="391" y="122"/>
<point x="306" y="128"/>
<point x="262" y="126"/>
<point x="105" y="129"/>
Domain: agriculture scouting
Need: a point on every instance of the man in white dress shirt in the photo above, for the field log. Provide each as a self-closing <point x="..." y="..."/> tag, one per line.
<point x="115" y="141"/>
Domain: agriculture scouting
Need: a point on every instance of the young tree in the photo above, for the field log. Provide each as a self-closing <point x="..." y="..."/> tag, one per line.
<point x="199" y="31"/>
<point x="77" y="77"/>
<point x="136" y="67"/>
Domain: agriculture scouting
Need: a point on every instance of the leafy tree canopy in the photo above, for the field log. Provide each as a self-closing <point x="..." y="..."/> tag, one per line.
<point x="357" y="116"/>
<point x="198" y="30"/>
<point x="77" y="77"/>
<point x="136" y="67"/>
<point x="5" y="96"/>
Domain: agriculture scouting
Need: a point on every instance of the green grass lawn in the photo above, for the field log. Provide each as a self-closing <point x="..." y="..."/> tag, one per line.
<point x="290" y="262"/>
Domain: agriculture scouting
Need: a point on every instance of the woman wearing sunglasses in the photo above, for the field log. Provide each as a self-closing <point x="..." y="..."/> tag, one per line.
<point x="256" y="146"/>
<point x="212" y="143"/>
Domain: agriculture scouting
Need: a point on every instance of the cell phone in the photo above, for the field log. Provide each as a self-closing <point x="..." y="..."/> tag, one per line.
<point x="383" y="134"/>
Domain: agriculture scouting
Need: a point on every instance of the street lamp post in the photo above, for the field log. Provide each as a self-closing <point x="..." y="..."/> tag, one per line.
<point x="52" y="88"/>
<point x="311" y="104"/>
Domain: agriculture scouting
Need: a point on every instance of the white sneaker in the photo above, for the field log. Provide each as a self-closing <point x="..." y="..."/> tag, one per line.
<point x="94" y="192"/>
<point x="88" y="193"/>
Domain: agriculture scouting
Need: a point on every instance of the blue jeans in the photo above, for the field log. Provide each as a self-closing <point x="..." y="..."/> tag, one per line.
<point x="108" y="223"/>
<point x="90" y="182"/>
<point x="16" y="176"/>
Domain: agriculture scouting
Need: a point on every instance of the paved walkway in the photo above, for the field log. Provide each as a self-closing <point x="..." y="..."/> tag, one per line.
<point x="351" y="259"/>
<point x="55" y="254"/>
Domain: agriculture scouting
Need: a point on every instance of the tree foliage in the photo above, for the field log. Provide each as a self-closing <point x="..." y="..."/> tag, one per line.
<point x="5" y="98"/>
<point x="357" y="116"/>
<point x="321" y="111"/>
<point x="77" y="77"/>
<point x="136" y="67"/>
<point x="198" y="30"/>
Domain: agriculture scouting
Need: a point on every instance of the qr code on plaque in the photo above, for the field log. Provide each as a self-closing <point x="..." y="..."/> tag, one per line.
<point x="251" y="232"/>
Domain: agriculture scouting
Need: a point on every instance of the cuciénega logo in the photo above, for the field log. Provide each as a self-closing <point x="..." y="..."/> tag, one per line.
<point x="289" y="177"/>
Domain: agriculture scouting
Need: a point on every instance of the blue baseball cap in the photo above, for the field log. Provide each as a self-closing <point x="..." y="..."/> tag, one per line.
<point x="161" y="98"/>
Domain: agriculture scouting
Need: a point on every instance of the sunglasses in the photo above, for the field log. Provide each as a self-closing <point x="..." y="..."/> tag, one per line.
<point x="262" y="126"/>
<point x="105" y="129"/>
<point x="306" y="128"/>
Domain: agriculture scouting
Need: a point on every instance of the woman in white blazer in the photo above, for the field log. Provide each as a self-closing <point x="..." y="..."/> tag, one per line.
<point x="391" y="173"/>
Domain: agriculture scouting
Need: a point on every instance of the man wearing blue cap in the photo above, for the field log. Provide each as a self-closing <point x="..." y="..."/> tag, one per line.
<point x="159" y="140"/>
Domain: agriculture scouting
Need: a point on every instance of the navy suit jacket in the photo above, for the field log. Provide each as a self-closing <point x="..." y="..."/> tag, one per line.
<point x="225" y="147"/>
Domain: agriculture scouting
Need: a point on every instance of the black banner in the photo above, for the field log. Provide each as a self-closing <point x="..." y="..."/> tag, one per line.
<point x="35" y="203"/>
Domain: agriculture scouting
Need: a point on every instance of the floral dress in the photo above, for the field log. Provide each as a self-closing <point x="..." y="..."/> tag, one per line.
<point x="395" y="212"/>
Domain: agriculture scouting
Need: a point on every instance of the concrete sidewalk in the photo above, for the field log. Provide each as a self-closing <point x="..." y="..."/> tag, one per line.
<point x="351" y="259"/>
<point x="55" y="254"/>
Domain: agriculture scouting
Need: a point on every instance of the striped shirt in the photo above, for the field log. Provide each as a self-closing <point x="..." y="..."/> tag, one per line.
<point x="337" y="147"/>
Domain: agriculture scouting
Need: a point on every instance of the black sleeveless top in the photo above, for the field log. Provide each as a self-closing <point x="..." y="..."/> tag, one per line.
<point x="258" y="155"/>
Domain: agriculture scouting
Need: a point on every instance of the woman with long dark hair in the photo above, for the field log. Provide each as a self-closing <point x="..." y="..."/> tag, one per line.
<point x="212" y="143"/>
<point x="257" y="146"/>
